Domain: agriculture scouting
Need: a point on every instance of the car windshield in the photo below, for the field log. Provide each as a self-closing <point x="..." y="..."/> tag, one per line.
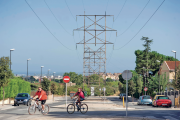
<point x="22" y="95"/>
<point x="163" y="97"/>
<point x="146" y="97"/>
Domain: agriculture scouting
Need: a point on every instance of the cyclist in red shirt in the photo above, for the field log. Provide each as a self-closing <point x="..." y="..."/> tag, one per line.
<point x="41" y="97"/>
<point x="80" y="97"/>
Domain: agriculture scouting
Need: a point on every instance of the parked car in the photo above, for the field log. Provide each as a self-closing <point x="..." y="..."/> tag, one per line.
<point x="145" y="100"/>
<point x="122" y="95"/>
<point x="162" y="101"/>
<point x="22" y="98"/>
<point x="155" y="98"/>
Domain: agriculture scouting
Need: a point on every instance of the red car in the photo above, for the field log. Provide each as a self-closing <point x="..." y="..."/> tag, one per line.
<point x="162" y="101"/>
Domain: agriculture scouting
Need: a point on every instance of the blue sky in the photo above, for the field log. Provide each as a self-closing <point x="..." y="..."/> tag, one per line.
<point x="22" y="30"/>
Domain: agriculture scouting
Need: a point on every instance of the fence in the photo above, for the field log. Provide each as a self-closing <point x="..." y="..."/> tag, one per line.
<point x="171" y="94"/>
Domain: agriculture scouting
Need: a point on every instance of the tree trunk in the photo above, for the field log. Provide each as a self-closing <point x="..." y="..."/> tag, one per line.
<point x="3" y="97"/>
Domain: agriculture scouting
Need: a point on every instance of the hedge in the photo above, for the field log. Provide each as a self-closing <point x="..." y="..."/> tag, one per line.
<point x="15" y="86"/>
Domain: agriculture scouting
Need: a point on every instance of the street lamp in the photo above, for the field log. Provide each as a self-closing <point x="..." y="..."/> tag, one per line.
<point x="159" y="77"/>
<point x="53" y="75"/>
<point x="175" y="75"/>
<point x="27" y="66"/>
<point x="48" y="74"/>
<point x="10" y="56"/>
<point x="41" y="71"/>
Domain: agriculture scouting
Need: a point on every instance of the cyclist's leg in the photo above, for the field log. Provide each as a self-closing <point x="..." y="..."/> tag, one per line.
<point x="42" y="103"/>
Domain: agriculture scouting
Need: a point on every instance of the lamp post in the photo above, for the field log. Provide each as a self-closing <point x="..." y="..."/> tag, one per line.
<point x="27" y="66"/>
<point x="175" y="75"/>
<point x="41" y="71"/>
<point x="48" y="74"/>
<point x="10" y="56"/>
<point x="53" y="75"/>
<point x="159" y="77"/>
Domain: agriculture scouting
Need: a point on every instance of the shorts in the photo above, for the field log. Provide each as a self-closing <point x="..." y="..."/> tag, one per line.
<point x="81" y="99"/>
<point x="42" y="101"/>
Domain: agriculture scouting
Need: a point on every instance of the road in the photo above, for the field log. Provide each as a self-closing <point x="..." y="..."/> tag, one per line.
<point x="149" y="111"/>
<point x="20" y="112"/>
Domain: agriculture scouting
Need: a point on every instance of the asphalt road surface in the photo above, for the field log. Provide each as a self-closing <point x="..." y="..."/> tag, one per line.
<point x="21" y="112"/>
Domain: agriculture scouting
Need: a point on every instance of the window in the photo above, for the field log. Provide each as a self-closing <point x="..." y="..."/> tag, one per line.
<point x="146" y="97"/>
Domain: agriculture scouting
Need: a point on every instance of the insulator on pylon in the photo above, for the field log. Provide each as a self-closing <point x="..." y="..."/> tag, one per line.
<point x="116" y="33"/>
<point x="113" y="18"/>
<point x="76" y="46"/>
<point x="113" y="46"/>
<point x="76" y="18"/>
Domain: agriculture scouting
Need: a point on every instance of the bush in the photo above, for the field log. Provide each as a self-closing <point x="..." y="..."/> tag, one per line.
<point x="15" y="86"/>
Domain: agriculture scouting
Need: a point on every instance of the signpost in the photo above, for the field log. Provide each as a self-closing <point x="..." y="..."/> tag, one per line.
<point x="126" y="75"/>
<point x="104" y="89"/>
<point x="66" y="79"/>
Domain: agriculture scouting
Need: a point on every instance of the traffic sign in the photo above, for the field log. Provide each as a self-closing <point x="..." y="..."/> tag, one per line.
<point x="145" y="89"/>
<point x="126" y="75"/>
<point x="66" y="79"/>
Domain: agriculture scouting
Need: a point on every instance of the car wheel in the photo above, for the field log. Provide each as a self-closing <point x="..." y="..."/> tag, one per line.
<point x="17" y="104"/>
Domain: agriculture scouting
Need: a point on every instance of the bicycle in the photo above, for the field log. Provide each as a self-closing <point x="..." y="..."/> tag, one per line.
<point x="82" y="107"/>
<point x="39" y="107"/>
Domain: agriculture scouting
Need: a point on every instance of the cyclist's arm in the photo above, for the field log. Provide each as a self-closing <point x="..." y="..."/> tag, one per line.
<point x="74" y="95"/>
<point x="34" y="95"/>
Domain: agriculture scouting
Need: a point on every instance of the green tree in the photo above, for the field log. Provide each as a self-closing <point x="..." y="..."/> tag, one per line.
<point x="109" y="80"/>
<point x="54" y="88"/>
<point x="33" y="86"/>
<point x="45" y="84"/>
<point x="74" y="77"/>
<point x="139" y="85"/>
<point x="131" y="87"/>
<point x="5" y="73"/>
<point x="176" y="82"/>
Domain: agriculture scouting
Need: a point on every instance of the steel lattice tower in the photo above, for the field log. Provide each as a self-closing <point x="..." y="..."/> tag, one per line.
<point x="94" y="57"/>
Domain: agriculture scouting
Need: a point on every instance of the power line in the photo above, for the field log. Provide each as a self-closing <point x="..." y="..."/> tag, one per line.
<point x="46" y="26"/>
<point x="117" y="16"/>
<point x="107" y="4"/>
<point x="56" y="18"/>
<point x="61" y="26"/>
<point x="135" y="19"/>
<point x="83" y="5"/>
<point x="69" y="10"/>
<point x="120" y="10"/>
<point x="141" y="27"/>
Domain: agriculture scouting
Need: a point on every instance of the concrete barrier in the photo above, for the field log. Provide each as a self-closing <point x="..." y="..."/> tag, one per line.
<point x="6" y="101"/>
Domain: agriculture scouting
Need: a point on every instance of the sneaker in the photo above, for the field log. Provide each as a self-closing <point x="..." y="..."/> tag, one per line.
<point x="42" y="111"/>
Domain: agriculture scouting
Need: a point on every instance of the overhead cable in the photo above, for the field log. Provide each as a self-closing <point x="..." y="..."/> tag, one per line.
<point x="56" y="18"/>
<point x="46" y="26"/>
<point x="142" y="26"/>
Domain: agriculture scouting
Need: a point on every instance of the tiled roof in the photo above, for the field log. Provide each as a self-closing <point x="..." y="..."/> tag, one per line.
<point x="171" y="64"/>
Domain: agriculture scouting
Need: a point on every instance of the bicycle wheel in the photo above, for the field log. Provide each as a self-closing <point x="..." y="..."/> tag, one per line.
<point x="83" y="108"/>
<point x="32" y="109"/>
<point x="46" y="110"/>
<point x="70" y="108"/>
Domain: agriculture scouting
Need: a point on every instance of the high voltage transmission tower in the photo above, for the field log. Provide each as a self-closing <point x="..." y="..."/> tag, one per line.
<point x="94" y="58"/>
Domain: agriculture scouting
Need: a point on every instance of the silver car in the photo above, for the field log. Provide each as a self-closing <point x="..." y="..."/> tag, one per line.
<point x="145" y="100"/>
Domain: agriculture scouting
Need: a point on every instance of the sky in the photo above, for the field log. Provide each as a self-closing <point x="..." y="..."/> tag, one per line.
<point x="21" y="29"/>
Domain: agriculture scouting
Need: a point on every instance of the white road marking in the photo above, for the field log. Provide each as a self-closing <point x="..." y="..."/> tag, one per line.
<point x="169" y="117"/>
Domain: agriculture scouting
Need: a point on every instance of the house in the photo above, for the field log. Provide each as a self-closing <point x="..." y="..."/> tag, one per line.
<point x="168" y="67"/>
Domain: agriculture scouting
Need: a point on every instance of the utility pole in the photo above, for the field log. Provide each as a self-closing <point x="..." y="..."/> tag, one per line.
<point x="94" y="56"/>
